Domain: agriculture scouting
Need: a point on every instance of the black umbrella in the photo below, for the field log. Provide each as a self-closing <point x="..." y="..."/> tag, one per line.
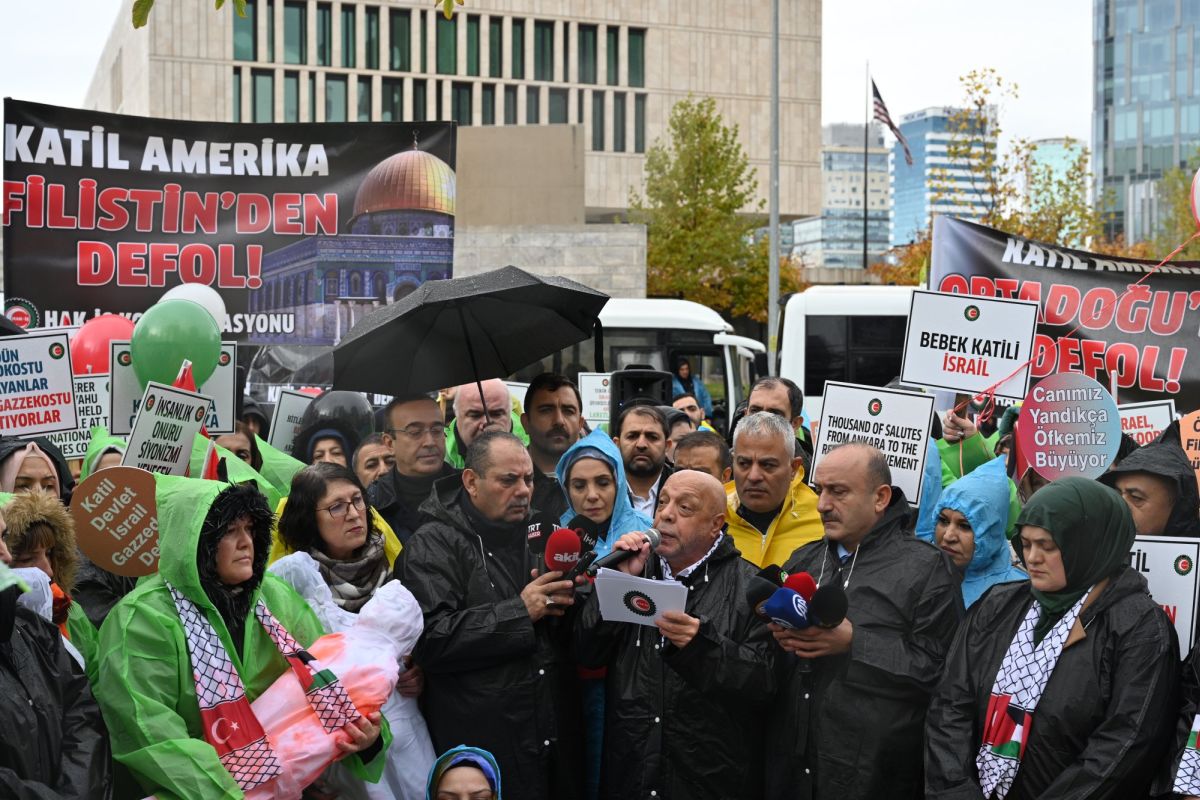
<point x="462" y="330"/>
<point x="10" y="328"/>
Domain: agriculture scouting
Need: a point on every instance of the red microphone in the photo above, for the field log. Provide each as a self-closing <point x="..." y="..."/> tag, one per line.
<point x="563" y="550"/>
<point x="802" y="584"/>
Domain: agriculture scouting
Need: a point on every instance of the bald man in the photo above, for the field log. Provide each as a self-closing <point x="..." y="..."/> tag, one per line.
<point x="471" y="418"/>
<point x="688" y="690"/>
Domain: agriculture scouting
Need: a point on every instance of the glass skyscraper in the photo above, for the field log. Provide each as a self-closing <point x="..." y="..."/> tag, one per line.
<point x="1145" y="114"/>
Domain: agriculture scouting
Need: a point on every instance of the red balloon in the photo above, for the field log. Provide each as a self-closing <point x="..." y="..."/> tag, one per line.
<point x="90" y="346"/>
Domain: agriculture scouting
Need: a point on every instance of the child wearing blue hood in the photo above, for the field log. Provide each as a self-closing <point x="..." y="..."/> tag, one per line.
<point x="464" y="773"/>
<point x="972" y="516"/>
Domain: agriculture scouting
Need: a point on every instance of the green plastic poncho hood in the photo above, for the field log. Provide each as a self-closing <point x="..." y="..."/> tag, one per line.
<point x="101" y="442"/>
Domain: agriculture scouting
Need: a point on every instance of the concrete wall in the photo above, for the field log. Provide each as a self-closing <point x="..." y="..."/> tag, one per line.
<point x="609" y="258"/>
<point x="520" y="176"/>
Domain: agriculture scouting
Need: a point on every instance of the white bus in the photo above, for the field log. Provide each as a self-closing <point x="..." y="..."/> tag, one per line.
<point x="843" y="333"/>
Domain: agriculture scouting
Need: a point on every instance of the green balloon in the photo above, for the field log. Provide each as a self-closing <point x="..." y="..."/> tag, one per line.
<point x="167" y="334"/>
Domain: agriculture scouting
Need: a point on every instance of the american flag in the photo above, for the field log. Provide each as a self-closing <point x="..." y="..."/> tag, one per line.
<point x="882" y="115"/>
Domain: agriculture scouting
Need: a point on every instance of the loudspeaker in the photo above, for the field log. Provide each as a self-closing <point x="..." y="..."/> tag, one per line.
<point x="637" y="386"/>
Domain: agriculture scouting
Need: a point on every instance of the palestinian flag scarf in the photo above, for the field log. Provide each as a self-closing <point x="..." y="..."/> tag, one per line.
<point x="1187" y="779"/>
<point x="229" y="722"/>
<point x="1018" y="687"/>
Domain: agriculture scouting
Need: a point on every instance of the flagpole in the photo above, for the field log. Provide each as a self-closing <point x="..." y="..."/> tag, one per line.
<point x="866" y="140"/>
<point x="773" y="234"/>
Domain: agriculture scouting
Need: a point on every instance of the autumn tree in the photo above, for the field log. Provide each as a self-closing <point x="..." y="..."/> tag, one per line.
<point x="699" y="208"/>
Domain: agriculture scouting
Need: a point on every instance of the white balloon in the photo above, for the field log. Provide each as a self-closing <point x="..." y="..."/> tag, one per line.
<point x="204" y="296"/>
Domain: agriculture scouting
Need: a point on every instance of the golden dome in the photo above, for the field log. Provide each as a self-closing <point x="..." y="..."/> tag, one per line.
<point x="410" y="180"/>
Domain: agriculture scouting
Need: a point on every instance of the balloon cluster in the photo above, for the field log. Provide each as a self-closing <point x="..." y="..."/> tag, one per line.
<point x="185" y="324"/>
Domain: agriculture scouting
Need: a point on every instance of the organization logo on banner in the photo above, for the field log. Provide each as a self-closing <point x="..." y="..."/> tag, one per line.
<point x="971" y="313"/>
<point x="875" y="407"/>
<point x="149" y="403"/>
<point x="22" y="312"/>
<point x="57" y="351"/>
<point x="1183" y="565"/>
<point x="640" y="603"/>
<point x="124" y="359"/>
<point x="224" y="359"/>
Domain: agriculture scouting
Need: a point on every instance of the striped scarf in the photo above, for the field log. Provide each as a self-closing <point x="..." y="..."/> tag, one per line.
<point x="1187" y="778"/>
<point x="229" y="722"/>
<point x="1019" y="684"/>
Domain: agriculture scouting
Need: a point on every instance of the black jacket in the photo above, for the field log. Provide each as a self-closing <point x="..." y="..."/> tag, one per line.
<point x="53" y="744"/>
<point x="687" y="723"/>
<point x="849" y="727"/>
<point x="1104" y="722"/>
<point x="385" y="496"/>
<point x="494" y="679"/>
<point x="1166" y="459"/>
<point x="97" y="590"/>
<point x="1189" y="706"/>
<point x="548" y="498"/>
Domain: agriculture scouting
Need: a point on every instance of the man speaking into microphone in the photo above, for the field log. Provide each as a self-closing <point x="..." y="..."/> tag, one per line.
<point x="685" y="699"/>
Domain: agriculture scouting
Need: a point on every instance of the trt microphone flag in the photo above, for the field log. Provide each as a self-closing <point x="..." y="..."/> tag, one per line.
<point x="882" y="115"/>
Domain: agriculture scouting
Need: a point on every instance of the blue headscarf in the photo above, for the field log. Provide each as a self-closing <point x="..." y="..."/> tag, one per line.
<point x="931" y="492"/>
<point x="982" y="497"/>
<point x="462" y="756"/>
<point x="624" y="518"/>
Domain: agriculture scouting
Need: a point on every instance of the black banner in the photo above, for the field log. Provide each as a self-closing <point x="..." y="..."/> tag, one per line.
<point x="1142" y="335"/>
<point x="302" y="228"/>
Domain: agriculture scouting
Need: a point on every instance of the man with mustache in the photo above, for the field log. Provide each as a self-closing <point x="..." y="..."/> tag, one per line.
<point x="497" y="664"/>
<point x="641" y="433"/>
<point x="552" y="418"/>
<point x="416" y="435"/>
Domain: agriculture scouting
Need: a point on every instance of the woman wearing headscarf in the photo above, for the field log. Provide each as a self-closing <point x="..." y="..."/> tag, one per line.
<point x="339" y="557"/>
<point x="1064" y="686"/>
<point x="182" y="656"/>
<point x="104" y="450"/>
<point x="36" y="464"/>
<point x="464" y="773"/>
<point x="684" y="381"/>
<point x="972" y="514"/>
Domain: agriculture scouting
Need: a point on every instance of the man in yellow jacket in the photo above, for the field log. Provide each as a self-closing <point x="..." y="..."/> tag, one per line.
<point x="771" y="511"/>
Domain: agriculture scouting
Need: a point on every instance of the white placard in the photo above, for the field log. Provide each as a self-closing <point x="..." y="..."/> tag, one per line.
<point x="91" y="406"/>
<point x="1168" y="564"/>
<point x="167" y="422"/>
<point x="628" y="598"/>
<point x="221" y="386"/>
<point x="895" y="421"/>
<point x="968" y="344"/>
<point x="596" y="390"/>
<point x="37" y="394"/>
<point x="285" y="422"/>
<point x="1145" y="421"/>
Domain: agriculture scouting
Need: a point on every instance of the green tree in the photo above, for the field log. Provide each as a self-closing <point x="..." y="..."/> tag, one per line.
<point x="699" y="243"/>
<point x="1175" y="220"/>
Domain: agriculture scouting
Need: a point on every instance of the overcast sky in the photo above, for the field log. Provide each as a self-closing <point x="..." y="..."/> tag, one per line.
<point x="917" y="50"/>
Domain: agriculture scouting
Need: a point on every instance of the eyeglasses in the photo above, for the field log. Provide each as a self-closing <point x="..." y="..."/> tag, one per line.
<point x="342" y="508"/>
<point x="417" y="432"/>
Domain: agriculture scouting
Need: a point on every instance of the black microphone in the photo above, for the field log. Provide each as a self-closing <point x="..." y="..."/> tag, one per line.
<point x="589" y="533"/>
<point x="536" y="536"/>
<point x="758" y="593"/>
<point x="828" y="605"/>
<point x="620" y="556"/>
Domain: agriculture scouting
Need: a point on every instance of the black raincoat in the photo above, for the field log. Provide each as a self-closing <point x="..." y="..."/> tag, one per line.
<point x="849" y="727"/>
<point x="1166" y="459"/>
<point x="390" y="494"/>
<point x="493" y="678"/>
<point x="685" y="723"/>
<point x="549" y="499"/>
<point x="53" y="744"/>
<point x="1104" y="722"/>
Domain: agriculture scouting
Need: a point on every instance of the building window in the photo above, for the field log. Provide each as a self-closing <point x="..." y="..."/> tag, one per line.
<point x="291" y="97"/>
<point x="495" y="47"/>
<point x="637" y="57"/>
<point x="295" y="32"/>
<point x="312" y="97"/>
<point x="324" y="34"/>
<point x="488" y="103"/>
<point x="543" y="51"/>
<point x="364" y="99"/>
<point x="237" y="95"/>
<point x="447" y="45"/>
<point x="420" y="23"/>
<point x="639" y="123"/>
<point x="270" y="14"/>
<point x="510" y="105"/>
<point x="348" y="36"/>
<point x="612" y="38"/>
<point x="587" y="53"/>
<point x="597" y="120"/>
<point x="580" y="97"/>
<point x="532" y="112"/>
<point x="558" y="106"/>
<point x="391" y="105"/>
<point x="518" y="49"/>
<point x="472" y="45"/>
<point x="460" y="103"/>
<point x="618" y="122"/>
<point x="264" y="95"/>
<point x="400" y="20"/>
<point x="245" y="43"/>
<point x="420" y="100"/>
<point x="372" y="33"/>
<point x="335" y="98"/>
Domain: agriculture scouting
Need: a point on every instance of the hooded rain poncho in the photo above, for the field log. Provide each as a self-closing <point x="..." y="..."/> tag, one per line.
<point x="1166" y="459"/>
<point x="625" y="518"/>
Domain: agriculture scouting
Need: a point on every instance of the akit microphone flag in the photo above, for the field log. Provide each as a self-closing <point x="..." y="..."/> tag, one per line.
<point x="562" y="550"/>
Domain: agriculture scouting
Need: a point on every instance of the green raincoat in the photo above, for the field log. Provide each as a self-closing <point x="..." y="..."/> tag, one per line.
<point x="145" y="685"/>
<point x="456" y="456"/>
<point x="278" y="467"/>
<point x="237" y="470"/>
<point x="101" y="440"/>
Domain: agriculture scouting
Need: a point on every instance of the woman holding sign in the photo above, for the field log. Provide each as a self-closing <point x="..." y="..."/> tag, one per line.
<point x="1064" y="685"/>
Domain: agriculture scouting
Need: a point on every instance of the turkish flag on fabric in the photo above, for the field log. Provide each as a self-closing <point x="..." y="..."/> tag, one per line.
<point x="186" y="381"/>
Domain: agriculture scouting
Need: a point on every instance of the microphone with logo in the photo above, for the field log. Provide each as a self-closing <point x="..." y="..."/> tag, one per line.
<point x="536" y="536"/>
<point x="610" y="561"/>
<point x="788" y="606"/>
<point x="762" y="586"/>
<point x="563" y="550"/>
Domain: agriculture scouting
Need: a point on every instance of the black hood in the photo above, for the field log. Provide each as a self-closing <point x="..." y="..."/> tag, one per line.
<point x="233" y="602"/>
<point x="1166" y="459"/>
<point x="11" y="444"/>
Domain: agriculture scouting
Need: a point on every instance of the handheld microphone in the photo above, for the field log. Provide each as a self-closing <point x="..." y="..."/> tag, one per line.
<point x="589" y="533"/>
<point x="535" y="542"/>
<point x="620" y="556"/>
<point x="828" y="605"/>
<point x="802" y="584"/>
<point x="773" y="573"/>
<point x="562" y="550"/>
<point x="758" y="593"/>
<point x="787" y="609"/>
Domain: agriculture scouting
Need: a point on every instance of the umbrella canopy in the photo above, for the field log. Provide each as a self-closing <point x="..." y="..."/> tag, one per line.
<point x="10" y="328"/>
<point x="461" y="330"/>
